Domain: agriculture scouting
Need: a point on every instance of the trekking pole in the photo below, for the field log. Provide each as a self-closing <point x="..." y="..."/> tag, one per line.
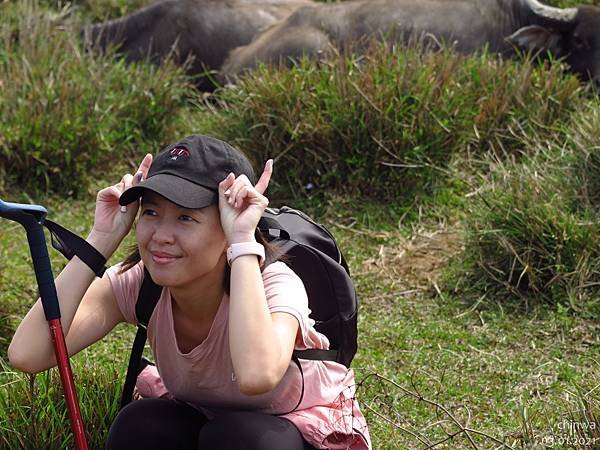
<point x="31" y="217"/>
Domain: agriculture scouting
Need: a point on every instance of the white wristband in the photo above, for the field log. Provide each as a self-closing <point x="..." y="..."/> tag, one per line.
<point x="245" y="248"/>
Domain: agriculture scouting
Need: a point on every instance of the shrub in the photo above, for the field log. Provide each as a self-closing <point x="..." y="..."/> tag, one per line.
<point x="571" y="3"/>
<point x="65" y="114"/>
<point x="585" y="157"/>
<point x="96" y="10"/>
<point x="530" y="238"/>
<point x="386" y="125"/>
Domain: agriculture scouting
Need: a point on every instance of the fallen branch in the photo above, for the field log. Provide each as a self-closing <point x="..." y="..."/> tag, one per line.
<point x="463" y="428"/>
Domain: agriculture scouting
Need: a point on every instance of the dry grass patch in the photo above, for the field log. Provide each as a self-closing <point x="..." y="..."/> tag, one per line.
<point x="415" y="262"/>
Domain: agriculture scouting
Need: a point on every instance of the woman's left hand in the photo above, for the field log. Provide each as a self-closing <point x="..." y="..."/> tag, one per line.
<point x="241" y="205"/>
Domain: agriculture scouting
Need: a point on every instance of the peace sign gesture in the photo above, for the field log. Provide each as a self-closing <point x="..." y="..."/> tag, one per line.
<point x="112" y="221"/>
<point x="241" y="205"/>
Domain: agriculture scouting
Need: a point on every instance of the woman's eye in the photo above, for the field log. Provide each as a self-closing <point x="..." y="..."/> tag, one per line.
<point x="186" y="218"/>
<point x="148" y="212"/>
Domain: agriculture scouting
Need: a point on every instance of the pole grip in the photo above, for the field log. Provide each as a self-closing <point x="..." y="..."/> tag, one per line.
<point x="43" y="270"/>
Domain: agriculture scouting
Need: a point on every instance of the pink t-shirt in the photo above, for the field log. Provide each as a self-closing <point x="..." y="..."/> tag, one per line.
<point x="328" y="416"/>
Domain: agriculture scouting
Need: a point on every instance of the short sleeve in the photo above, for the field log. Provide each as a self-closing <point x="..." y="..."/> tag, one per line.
<point x="126" y="287"/>
<point x="285" y="292"/>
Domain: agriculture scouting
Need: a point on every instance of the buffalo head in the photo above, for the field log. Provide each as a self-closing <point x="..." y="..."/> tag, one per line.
<point x="572" y="34"/>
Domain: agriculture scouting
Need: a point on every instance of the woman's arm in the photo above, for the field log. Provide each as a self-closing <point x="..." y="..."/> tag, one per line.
<point x="88" y="307"/>
<point x="261" y="343"/>
<point x="88" y="312"/>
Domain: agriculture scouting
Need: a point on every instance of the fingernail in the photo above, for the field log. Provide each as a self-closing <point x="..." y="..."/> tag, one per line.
<point x="227" y="192"/>
<point x="124" y="209"/>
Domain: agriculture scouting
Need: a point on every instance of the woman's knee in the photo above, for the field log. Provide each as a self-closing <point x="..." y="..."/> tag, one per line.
<point x="155" y="424"/>
<point x="250" y="431"/>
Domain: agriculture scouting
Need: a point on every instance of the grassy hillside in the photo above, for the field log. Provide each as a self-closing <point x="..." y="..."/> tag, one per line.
<point x="464" y="192"/>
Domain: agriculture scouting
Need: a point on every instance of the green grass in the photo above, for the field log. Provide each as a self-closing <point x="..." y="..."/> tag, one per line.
<point x="65" y="113"/>
<point x="96" y="10"/>
<point x="483" y="361"/>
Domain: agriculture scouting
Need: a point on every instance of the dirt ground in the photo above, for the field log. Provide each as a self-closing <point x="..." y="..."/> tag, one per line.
<point x="416" y="262"/>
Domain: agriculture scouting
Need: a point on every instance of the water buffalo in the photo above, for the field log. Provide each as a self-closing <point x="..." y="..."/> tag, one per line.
<point x="205" y="29"/>
<point x="467" y="25"/>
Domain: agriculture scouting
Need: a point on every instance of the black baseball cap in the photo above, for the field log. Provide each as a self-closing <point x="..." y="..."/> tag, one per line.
<point x="188" y="172"/>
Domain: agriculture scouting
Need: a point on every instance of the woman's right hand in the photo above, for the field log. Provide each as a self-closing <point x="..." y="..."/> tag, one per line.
<point x="112" y="221"/>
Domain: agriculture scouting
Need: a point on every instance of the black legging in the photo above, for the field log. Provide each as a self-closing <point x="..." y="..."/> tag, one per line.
<point x="159" y="424"/>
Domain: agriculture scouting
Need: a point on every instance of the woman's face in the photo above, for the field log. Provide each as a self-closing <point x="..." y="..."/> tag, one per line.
<point x="179" y="245"/>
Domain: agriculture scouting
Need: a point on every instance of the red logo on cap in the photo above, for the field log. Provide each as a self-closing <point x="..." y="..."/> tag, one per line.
<point x="179" y="152"/>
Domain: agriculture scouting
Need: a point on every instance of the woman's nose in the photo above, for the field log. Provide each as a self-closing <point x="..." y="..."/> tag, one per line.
<point x="163" y="233"/>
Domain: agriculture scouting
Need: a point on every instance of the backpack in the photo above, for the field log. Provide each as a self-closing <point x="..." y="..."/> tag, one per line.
<point x="313" y="254"/>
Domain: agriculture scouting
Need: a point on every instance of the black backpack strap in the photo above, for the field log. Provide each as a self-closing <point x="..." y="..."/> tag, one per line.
<point x="69" y="244"/>
<point x="316" y="354"/>
<point x="134" y="365"/>
<point x="295" y="359"/>
<point x="267" y="224"/>
<point x="146" y="301"/>
<point x="313" y="354"/>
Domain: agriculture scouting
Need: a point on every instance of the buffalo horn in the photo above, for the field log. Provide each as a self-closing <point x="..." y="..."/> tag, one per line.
<point x="551" y="13"/>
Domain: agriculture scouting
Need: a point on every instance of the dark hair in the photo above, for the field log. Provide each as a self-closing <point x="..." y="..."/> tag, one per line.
<point x="273" y="252"/>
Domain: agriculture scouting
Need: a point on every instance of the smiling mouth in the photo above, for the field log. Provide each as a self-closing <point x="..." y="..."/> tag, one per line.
<point x="162" y="258"/>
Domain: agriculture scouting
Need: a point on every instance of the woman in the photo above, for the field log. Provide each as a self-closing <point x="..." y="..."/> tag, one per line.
<point x="224" y="329"/>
